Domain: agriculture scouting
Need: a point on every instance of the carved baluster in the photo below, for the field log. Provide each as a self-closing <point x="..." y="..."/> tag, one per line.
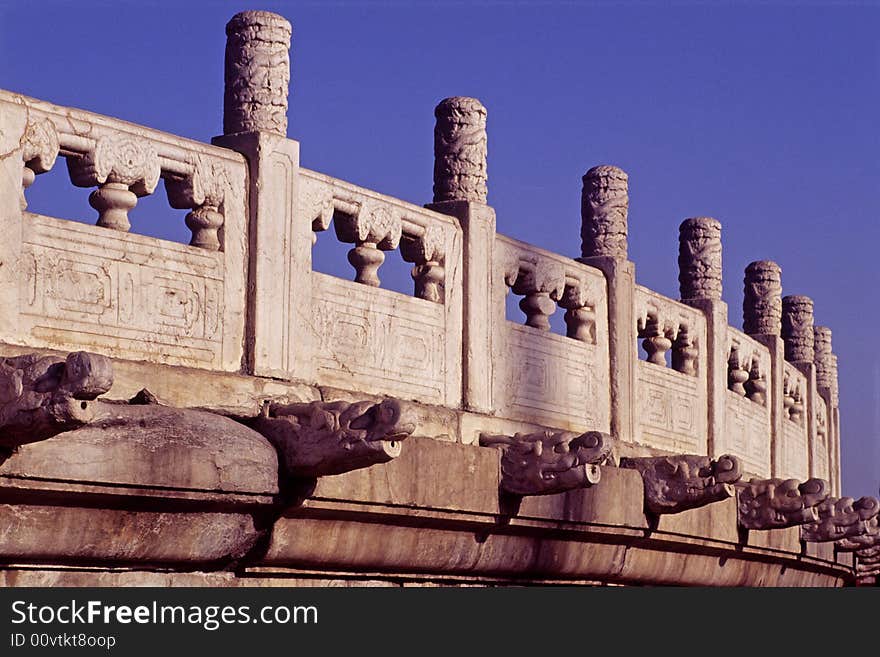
<point x="797" y="407"/>
<point x="736" y="375"/>
<point x="684" y="352"/>
<point x="38" y="154"/>
<point x="787" y="396"/>
<point x="125" y="168"/>
<point x="203" y="192"/>
<point x="655" y="342"/>
<point x="426" y="251"/>
<point x="373" y="229"/>
<point x="580" y="317"/>
<point x="542" y="284"/>
<point x="756" y="386"/>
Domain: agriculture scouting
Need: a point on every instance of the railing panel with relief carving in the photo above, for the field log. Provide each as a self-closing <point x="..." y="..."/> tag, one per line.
<point x="671" y="382"/>
<point x="366" y="336"/>
<point x="747" y="413"/>
<point x="540" y="376"/>
<point x="102" y="287"/>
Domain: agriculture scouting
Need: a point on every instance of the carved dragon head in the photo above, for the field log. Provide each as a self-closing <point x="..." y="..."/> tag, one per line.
<point x="546" y="462"/>
<point x="778" y="503"/>
<point x="679" y="482"/>
<point x="843" y="518"/>
<point x="41" y="396"/>
<point x="319" y="438"/>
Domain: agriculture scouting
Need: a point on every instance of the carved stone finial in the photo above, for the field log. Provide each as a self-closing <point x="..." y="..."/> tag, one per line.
<point x="699" y="258"/>
<point x="778" y="503"/>
<point x="319" y="438"/>
<point x="41" y="396"/>
<point x="460" y="146"/>
<point x="822" y="357"/>
<point x="797" y="328"/>
<point x="835" y="386"/>
<point x="546" y="462"/>
<point x="843" y="517"/>
<point x="604" y="206"/>
<point x="257" y="73"/>
<point x="762" y="299"/>
<point x="685" y="481"/>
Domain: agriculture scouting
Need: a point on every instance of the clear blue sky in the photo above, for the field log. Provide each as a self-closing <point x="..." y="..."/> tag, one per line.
<point x="764" y="116"/>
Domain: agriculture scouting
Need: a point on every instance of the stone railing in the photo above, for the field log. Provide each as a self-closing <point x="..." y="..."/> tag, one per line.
<point x="767" y="394"/>
<point x="102" y="287"/>
<point x="541" y="377"/>
<point x="671" y="396"/>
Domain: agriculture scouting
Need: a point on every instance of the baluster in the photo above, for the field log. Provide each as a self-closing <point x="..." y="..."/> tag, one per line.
<point x="655" y="343"/>
<point x="736" y="376"/>
<point x="38" y="154"/>
<point x="684" y="353"/>
<point x="787" y="396"/>
<point x="541" y="284"/>
<point x="372" y="229"/>
<point x="580" y="318"/>
<point x="202" y="193"/>
<point x="756" y="386"/>
<point x="427" y="253"/>
<point x="124" y="168"/>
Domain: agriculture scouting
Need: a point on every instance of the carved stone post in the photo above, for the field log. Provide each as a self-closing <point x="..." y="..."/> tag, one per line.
<point x="762" y="320"/>
<point x="826" y="384"/>
<point x="604" y="207"/>
<point x="699" y="277"/>
<point x="278" y="335"/>
<point x="797" y="333"/>
<point x="460" y="145"/>
<point x="257" y="73"/>
<point x="460" y="175"/>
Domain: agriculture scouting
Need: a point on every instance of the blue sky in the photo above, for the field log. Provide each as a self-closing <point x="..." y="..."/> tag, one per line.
<point x="764" y="116"/>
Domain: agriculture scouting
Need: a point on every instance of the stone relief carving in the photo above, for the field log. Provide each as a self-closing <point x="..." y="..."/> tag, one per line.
<point x="699" y="258"/>
<point x="797" y="328"/>
<point x="547" y="462"/>
<point x="41" y="396"/>
<point x="778" y="503"/>
<point x="257" y="73"/>
<point x="124" y="167"/>
<point x="319" y="438"/>
<point x="762" y="299"/>
<point x="203" y="193"/>
<point x="684" y="481"/>
<point x="843" y="518"/>
<point x="460" y="151"/>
